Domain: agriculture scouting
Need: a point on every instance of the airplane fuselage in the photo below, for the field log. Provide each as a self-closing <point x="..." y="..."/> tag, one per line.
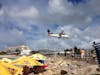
<point x="59" y="36"/>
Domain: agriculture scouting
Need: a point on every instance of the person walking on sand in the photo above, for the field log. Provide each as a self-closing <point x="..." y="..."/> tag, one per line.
<point x="93" y="55"/>
<point x="73" y="54"/>
<point x="82" y="54"/>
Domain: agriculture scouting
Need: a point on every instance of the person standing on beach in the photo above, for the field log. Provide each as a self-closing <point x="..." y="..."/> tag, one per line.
<point x="83" y="54"/>
<point x="93" y="55"/>
<point x="73" y="54"/>
<point x="65" y="54"/>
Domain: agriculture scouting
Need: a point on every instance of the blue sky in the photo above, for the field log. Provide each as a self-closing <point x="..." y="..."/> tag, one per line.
<point x="25" y="22"/>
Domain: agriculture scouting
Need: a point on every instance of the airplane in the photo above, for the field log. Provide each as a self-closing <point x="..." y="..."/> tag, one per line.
<point x="60" y="35"/>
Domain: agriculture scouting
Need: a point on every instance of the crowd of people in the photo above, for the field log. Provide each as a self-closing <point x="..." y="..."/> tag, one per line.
<point x="81" y="54"/>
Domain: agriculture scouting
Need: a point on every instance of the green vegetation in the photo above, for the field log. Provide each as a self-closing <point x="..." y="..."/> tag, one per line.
<point x="2" y="53"/>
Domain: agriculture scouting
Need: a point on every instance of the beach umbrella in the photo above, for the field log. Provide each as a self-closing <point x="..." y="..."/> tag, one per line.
<point x="8" y="69"/>
<point x="26" y="60"/>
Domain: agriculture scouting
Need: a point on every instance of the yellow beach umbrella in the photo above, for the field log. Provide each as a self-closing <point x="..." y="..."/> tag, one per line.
<point x="26" y="60"/>
<point x="7" y="69"/>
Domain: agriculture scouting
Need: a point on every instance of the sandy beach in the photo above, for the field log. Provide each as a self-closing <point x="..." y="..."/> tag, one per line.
<point x="62" y="66"/>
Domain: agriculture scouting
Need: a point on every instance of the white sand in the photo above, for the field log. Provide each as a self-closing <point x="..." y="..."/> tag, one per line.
<point x="56" y="64"/>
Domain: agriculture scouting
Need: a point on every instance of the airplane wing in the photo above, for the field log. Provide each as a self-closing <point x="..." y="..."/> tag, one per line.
<point x="65" y="36"/>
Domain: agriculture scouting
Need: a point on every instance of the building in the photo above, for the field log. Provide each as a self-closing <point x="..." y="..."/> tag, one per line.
<point x="19" y="50"/>
<point x="25" y="50"/>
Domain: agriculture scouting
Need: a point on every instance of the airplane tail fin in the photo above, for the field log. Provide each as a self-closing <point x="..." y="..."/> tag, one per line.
<point x="48" y="31"/>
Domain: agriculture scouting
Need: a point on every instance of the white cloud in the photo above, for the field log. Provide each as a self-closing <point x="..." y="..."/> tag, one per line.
<point x="60" y="12"/>
<point x="12" y="35"/>
<point x="19" y="16"/>
<point x="20" y="13"/>
<point x="57" y="7"/>
<point x="81" y="15"/>
<point x="1" y="12"/>
<point x="63" y="12"/>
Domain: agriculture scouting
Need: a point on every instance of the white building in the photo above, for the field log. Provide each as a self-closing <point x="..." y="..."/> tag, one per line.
<point x="25" y="50"/>
<point x="21" y="50"/>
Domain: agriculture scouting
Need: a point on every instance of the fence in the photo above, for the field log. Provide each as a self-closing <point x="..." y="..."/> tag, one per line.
<point x="97" y="49"/>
